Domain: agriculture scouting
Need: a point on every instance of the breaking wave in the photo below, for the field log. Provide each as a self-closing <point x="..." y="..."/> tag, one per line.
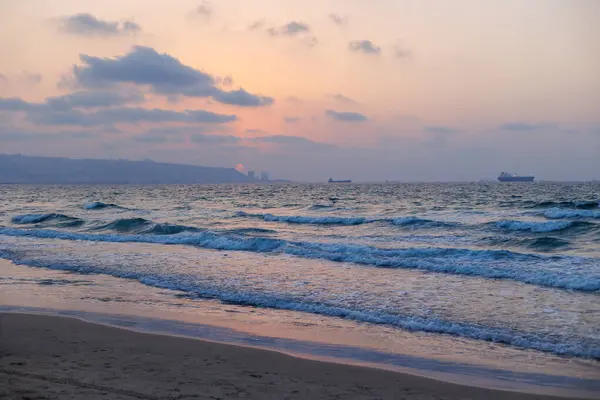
<point x="556" y="344"/>
<point x="560" y="213"/>
<point x="333" y="220"/>
<point x="543" y="226"/>
<point x="495" y="264"/>
<point x="308" y="220"/>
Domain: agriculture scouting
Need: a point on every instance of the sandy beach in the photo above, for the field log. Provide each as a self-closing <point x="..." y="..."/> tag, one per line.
<point x="43" y="357"/>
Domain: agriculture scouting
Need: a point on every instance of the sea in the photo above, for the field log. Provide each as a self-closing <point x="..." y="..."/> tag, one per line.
<point x="492" y="284"/>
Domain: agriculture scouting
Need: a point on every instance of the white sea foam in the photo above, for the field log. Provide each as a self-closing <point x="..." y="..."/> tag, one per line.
<point x="534" y="226"/>
<point x="557" y="345"/>
<point x="559" y="213"/>
<point x="342" y="220"/>
<point x="496" y="264"/>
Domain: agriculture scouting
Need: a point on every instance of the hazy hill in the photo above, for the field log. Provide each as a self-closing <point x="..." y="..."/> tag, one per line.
<point x="26" y="169"/>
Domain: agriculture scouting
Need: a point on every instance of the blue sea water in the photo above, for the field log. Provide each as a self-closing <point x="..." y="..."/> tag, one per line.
<point x="510" y="264"/>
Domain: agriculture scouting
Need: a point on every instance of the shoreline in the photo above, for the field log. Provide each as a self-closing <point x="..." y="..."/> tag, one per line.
<point x="81" y="357"/>
<point x="128" y="304"/>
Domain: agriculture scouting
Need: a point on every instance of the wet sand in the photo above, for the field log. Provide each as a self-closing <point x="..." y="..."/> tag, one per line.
<point x="44" y="357"/>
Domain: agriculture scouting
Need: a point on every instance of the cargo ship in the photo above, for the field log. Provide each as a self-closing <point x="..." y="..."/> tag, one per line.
<point x="342" y="181"/>
<point x="510" y="177"/>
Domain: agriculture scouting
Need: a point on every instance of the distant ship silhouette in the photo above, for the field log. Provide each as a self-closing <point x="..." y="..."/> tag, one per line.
<point x="331" y="180"/>
<point x="511" y="177"/>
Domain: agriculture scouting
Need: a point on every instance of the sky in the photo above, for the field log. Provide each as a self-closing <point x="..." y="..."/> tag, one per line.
<point x="369" y="90"/>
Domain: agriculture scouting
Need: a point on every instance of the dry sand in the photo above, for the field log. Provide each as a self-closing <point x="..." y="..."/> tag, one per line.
<point x="43" y="357"/>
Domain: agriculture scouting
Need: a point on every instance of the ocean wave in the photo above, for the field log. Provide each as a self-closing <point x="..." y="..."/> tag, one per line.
<point x="317" y="207"/>
<point x="308" y="220"/>
<point x="291" y="205"/>
<point x="554" y="344"/>
<point x="544" y="244"/>
<point x="534" y="226"/>
<point x="582" y="205"/>
<point x="123" y="225"/>
<point x="415" y="221"/>
<point x="126" y="225"/>
<point x="144" y="226"/>
<point x="98" y="205"/>
<point x="334" y="220"/>
<point x="533" y="269"/>
<point x="26" y="219"/>
<point x="169" y="229"/>
<point x="560" y="213"/>
<point x="245" y="231"/>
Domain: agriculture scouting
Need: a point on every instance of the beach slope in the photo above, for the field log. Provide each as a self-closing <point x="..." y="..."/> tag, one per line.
<point x="44" y="357"/>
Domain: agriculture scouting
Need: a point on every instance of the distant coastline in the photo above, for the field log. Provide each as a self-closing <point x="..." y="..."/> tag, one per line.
<point x="21" y="169"/>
